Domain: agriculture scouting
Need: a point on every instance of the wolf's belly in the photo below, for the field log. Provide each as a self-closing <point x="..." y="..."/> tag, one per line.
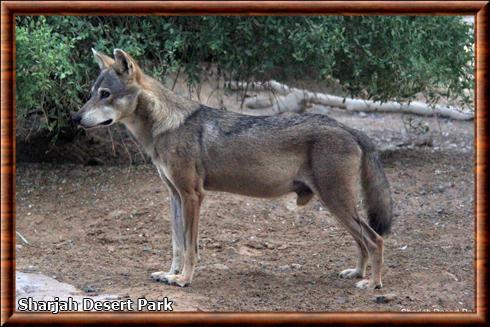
<point x="249" y="187"/>
<point x="252" y="180"/>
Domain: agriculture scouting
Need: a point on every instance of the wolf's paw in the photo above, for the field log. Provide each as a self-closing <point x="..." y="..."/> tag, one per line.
<point x="160" y="276"/>
<point x="178" y="280"/>
<point x="351" y="273"/>
<point x="171" y="279"/>
<point x="367" y="284"/>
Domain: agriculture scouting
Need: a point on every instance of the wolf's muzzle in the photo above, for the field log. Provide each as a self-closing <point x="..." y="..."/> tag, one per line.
<point x="76" y="118"/>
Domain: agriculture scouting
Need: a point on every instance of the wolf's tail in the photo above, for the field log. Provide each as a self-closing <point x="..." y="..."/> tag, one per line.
<point x="375" y="187"/>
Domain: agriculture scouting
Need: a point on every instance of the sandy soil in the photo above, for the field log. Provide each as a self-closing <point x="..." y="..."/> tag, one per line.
<point x="105" y="229"/>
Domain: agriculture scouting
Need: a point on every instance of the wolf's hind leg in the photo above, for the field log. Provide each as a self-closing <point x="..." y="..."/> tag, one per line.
<point x="368" y="239"/>
<point x="337" y="189"/>
<point x="362" y="260"/>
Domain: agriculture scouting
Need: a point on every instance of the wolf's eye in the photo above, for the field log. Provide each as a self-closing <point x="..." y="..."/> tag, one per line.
<point x="104" y="94"/>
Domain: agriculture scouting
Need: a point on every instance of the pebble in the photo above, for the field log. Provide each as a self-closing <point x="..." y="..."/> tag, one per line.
<point x="219" y="266"/>
<point x="231" y="251"/>
<point x="215" y="245"/>
<point x="282" y="247"/>
<point x="89" y="289"/>
<point x="452" y="276"/>
<point x="269" y="245"/>
<point x="254" y="244"/>
<point x="341" y="300"/>
<point x="385" y="298"/>
<point x="116" y="214"/>
<point x="286" y="268"/>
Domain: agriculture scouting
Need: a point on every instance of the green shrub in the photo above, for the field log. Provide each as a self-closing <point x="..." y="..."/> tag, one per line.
<point x="402" y="56"/>
<point x="46" y="77"/>
<point x="389" y="57"/>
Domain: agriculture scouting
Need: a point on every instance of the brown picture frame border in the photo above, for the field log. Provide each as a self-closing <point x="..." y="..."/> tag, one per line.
<point x="11" y="8"/>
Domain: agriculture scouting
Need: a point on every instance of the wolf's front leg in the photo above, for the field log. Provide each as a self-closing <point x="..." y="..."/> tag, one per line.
<point x="177" y="240"/>
<point x="191" y="202"/>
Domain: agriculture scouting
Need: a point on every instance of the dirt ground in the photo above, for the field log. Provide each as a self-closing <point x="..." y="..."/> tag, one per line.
<point x="105" y="229"/>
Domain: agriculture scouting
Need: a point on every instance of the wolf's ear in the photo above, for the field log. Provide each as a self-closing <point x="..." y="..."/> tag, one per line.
<point x="125" y="65"/>
<point x="103" y="60"/>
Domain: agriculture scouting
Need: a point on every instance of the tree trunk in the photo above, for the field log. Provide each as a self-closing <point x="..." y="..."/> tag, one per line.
<point x="286" y="99"/>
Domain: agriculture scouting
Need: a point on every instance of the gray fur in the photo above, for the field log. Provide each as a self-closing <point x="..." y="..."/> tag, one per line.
<point x="198" y="149"/>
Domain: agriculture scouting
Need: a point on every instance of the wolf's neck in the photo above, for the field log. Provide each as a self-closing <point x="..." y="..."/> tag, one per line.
<point x="159" y="110"/>
<point x="140" y="128"/>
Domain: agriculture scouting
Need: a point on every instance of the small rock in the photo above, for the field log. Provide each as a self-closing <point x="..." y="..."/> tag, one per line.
<point x="269" y="245"/>
<point x="89" y="289"/>
<point x="452" y="276"/>
<point x="426" y="141"/>
<point x="341" y="300"/>
<point x="282" y="247"/>
<point x="215" y="245"/>
<point x="245" y="250"/>
<point x="254" y="244"/>
<point x="291" y="206"/>
<point x="230" y="251"/>
<point x="385" y="298"/>
<point x="295" y="265"/>
<point x="117" y="214"/>
<point x="94" y="162"/>
<point x="219" y="266"/>
<point x="75" y="173"/>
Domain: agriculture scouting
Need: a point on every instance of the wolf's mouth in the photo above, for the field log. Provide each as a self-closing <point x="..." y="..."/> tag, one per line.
<point x="106" y="123"/>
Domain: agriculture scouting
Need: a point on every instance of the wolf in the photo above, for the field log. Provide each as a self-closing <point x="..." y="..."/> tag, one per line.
<point x="196" y="149"/>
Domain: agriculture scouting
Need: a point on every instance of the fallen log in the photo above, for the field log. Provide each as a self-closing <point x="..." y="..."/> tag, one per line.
<point x="287" y="99"/>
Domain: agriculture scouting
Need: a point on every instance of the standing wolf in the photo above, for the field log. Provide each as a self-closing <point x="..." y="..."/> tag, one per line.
<point x="197" y="148"/>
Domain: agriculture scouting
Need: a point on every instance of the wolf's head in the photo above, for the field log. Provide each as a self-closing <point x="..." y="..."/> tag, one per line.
<point x="114" y="95"/>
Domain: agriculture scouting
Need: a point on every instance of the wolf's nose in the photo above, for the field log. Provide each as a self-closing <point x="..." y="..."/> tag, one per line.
<point x="76" y="118"/>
